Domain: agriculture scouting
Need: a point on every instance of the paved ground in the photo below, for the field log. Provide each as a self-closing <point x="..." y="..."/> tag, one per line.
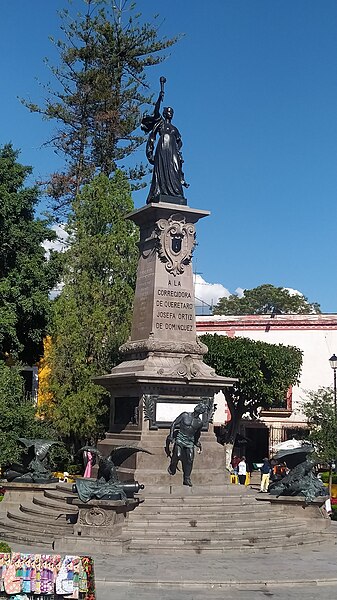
<point x="305" y="593"/>
<point x="308" y="574"/>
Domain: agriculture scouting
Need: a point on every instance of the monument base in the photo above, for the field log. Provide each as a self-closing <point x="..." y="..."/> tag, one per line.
<point x="179" y="200"/>
<point x="162" y="373"/>
<point x="151" y="469"/>
<point x="101" y="519"/>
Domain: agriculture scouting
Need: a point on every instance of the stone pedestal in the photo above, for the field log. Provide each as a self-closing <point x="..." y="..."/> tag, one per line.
<point x="297" y="506"/>
<point x="163" y="373"/>
<point x="151" y="469"/>
<point x="102" y="519"/>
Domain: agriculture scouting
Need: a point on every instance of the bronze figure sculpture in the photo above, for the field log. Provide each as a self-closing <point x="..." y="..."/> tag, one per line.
<point x="108" y="485"/>
<point x="34" y="467"/>
<point x="184" y="434"/>
<point x="168" y="178"/>
<point x="301" y="480"/>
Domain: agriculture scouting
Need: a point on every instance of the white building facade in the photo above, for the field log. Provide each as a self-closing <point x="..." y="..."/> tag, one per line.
<point x="315" y="335"/>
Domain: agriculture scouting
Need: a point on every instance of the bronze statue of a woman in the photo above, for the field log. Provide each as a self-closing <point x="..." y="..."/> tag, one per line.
<point x="168" y="178"/>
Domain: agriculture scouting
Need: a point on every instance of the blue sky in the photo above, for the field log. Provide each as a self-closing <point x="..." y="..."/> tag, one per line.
<point x="254" y="88"/>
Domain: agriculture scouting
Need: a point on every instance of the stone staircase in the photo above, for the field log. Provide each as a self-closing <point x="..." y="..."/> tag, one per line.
<point x="39" y="520"/>
<point x="216" y="521"/>
<point x="172" y="519"/>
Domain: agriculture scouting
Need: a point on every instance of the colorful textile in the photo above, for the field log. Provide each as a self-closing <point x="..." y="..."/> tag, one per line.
<point x="45" y="577"/>
<point x="88" y="566"/>
<point x="12" y="582"/>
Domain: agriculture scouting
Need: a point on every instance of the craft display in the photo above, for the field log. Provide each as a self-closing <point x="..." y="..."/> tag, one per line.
<point x="46" y="577"/>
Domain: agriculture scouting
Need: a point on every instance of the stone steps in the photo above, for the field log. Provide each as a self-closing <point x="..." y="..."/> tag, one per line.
<point x="64" y="487"/>
<point x="200" y="500"/>
<point x="190" y="511"/>
<point x="43" y="525"/>
<point x="232" y="519"/>
<point x="17" y="532"/>
<point x="29" y="506"/>
<point x="210" y="491"/>
<point x="171" y="520"/>
<point x="19" y="537"/>
<point x="216" y="547"/>
<point x="211" y="503"/>
<point x="215" y="534"/>
<point x="202" y="522"/>
<point x="198" y="521"/>
<point x="36" y="512"/>
<point x="57" y="495"/>
<point x="49" y="504"/>
<point x="41" y="519"/>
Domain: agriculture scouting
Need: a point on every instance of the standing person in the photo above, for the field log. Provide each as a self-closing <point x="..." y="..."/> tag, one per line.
<point x="88" y="462"/>
<point x="235" y="462"/>
<point x="242" y="470"/>
<point x="265" y="475"/>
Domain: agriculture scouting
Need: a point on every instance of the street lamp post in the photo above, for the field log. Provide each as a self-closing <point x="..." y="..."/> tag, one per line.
<point x="333" y="365"/>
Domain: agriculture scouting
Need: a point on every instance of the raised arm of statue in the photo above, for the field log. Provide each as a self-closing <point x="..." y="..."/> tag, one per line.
<point x="150" y="123"/>
<point x="156" y="112"/>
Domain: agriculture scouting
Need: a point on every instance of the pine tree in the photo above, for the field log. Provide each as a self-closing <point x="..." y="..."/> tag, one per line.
<point x="26" y="276"/>
<point x="92" y="315"/>
<point x="100" y="92"/>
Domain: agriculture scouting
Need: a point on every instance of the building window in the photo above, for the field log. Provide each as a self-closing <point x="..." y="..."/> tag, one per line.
<point x="30" y="378"/>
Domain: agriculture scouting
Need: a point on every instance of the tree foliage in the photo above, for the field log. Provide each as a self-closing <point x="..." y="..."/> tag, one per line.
<point x="99" y="91"/>
<point x="44" y="372"/>
<point x="17" y="415"/>
<point x="26" y="276"/>
<point x="320" y="412"/>
<point x="264" y="372"/>
<point x="92" y="315"/>
<point x="265" y="299"/>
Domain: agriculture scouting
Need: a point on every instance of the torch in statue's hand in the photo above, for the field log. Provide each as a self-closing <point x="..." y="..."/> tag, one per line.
<point x="162" y="83"/>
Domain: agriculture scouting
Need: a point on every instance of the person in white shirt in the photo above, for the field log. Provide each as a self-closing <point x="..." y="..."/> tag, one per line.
<point x="242" y="470"/>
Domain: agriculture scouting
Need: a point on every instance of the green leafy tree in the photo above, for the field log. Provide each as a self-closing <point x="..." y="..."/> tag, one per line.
<point x="92" y="315"/>
<point x="18" y="417"/>
<point x="264" y="372"/>
<point x="319" y="410"/>
<point x="99" y="92"/>
<point x="265" y="299"/>
<point x="26" y="276"/>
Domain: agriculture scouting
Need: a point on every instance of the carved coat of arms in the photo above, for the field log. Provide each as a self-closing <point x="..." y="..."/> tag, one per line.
<point x="176" y="242"/>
